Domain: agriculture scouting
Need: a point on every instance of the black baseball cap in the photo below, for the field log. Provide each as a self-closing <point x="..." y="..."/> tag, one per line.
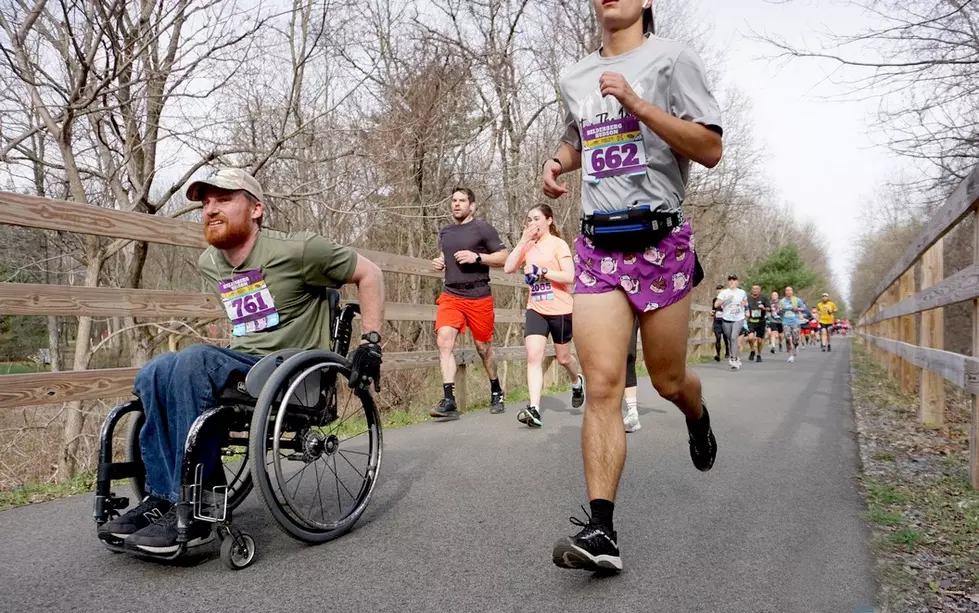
<point x="732" y="277"/>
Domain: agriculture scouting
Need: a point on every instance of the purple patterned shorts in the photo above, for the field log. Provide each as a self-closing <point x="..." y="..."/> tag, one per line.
<point x="652" y="280"/>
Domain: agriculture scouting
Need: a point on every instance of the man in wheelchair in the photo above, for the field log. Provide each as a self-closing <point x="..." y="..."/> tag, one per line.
<point x="272" y="285"/>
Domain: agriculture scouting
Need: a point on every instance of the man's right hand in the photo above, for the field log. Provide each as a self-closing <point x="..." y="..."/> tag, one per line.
<point x="553" y="189"/>
<point x="439" y="263"/>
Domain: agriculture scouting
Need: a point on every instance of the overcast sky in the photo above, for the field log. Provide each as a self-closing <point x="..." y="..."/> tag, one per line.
<point x="824" y="156"/>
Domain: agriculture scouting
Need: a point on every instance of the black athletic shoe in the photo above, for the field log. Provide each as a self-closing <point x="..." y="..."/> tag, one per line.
<point x="773" y="349"/>
<point x="829" y="347"/>
<point x="751" y="357"/>
<point x="530" y="416"/>
<point x="496" y="403"/>
<point x="134" y="520"/>
<point x="446" y="409"/>
<point x="717" y="358"/>
<point x="594" y="548"/>
<point x="758" y="358"/>
<point x="703" y="447"/>
<point x="578" y="393"/>
<point x="160" y="537"/>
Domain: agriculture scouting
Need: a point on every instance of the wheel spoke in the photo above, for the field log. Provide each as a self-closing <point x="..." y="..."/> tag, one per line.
<point x="352" y="436"/>
<point x="352" y="450"/>
<point x="340" y="422"/>
<point x="319" y="482"/>
<point x="339" y="507"/>
<point x="356" y="470"/>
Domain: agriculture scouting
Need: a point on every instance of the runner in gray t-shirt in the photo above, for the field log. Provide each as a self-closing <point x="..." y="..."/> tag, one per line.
<point x="468" y="248"/>
<point x="638" y="111"/>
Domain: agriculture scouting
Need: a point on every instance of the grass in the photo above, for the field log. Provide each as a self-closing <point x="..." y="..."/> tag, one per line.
<point x="16" y="368"/>
<point x="924" y="513"/>
<point x="41" y="492"/>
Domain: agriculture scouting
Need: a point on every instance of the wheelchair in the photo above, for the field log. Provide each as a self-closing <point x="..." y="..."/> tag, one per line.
<point x="291" y="419"/>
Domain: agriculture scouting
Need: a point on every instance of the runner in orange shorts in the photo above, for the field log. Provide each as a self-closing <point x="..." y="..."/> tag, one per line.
<point x="469" y="248"/>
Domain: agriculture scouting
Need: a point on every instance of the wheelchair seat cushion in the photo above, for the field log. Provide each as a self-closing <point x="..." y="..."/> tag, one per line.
<point x="263" y="369"/>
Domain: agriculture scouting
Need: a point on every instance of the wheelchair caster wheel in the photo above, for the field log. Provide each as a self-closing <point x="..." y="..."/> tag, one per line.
<point x="237" y="553"/>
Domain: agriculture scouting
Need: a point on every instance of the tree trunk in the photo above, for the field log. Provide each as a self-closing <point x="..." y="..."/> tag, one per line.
<point x="75" y="420"/>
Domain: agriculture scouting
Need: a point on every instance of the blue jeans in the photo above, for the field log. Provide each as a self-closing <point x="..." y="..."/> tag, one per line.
<point x="175" y="388"/>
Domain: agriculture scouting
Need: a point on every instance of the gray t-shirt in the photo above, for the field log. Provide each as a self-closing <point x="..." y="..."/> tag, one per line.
<point x="623" y="161"/>
<point x="476" y="236"/>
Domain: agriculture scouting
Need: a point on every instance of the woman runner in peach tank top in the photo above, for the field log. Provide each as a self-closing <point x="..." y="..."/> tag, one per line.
<point x="548" y="269"/>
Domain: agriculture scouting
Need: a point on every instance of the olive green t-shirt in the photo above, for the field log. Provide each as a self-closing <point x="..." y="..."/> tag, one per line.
<point x="274" y="299"/>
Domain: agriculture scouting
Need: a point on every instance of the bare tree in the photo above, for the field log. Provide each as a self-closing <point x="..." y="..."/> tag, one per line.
<point x="97" y="76"/>
<point x="921" y="61"/>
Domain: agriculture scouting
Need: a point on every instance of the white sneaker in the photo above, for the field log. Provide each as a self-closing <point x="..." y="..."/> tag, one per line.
<point x="631" y="420"/>
<point x="791" y="358"/>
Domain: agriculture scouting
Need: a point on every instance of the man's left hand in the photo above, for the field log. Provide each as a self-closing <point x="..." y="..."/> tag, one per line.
<point x="614" y="84"/>
<point x="366" y="367"/>
<point x="465" y="257"/>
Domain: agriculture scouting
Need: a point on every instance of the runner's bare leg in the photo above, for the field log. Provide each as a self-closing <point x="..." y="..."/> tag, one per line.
<point x="445" y="337"/>
<point x="603" y="325"/>
<point x="486" y="353"/>
<point x="535" y="366"/>
<point x="664" y="342"/>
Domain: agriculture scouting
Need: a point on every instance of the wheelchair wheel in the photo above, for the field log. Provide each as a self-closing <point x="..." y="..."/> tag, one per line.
<point x="315" y="447"/>
<point x="236" y="473"/>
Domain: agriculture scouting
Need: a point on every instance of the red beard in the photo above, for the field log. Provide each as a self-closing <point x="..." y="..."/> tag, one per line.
<point x="228" y="235"/>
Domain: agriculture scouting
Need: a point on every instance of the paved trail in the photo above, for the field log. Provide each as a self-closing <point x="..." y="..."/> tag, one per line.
<point x="466" y="512"/>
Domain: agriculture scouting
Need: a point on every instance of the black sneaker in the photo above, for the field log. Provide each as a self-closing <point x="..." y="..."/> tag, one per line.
<point x="160" y="537"/>
<point x="578" y="393"/>
<point x="446" y="408"/>
<point x="496" y="403"/>
<point x="530" y="416"/>
<point x="703" y="447"/>
<point x="134" y="520"/>
<point x="594" y="549"/>
<point x="751" y="357"/>
<point x="758" y="358"/>
<point x="717" y="358"/>
<point x="829" y="347"/>
<point x="773" y="349"/>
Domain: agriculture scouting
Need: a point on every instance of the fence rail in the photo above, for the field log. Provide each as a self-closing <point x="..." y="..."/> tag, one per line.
<point x="62" y="300"/>
<point x="916" y="358"/>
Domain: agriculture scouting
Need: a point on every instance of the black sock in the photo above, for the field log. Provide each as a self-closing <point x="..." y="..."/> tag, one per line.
<point x="449" y="390"/>
<point x="701" y="423"/>
<point x="601" y="512"/>
<point x="495" y="386"/>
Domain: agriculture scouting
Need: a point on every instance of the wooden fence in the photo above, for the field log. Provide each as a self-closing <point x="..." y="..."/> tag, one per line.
<point x="917" y="359"/>
<point x="32" y="299"/>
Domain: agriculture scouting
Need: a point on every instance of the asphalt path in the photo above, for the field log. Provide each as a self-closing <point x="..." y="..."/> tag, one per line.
<point x="466" y="512"/>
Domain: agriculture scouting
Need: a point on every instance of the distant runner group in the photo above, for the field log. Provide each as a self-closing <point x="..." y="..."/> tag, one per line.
<point x="784" y="323"/>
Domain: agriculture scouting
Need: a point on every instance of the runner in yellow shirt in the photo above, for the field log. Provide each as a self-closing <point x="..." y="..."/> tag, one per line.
<point x="826" y="309"/>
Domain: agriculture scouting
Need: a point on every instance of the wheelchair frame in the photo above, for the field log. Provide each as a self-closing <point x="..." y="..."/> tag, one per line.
<point x="236" y="407"/>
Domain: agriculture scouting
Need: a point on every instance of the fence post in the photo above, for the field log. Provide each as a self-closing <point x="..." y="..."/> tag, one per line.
<point x="933" y="336"/>
<point x="879" y="331"/>
<point x="550" y="371"/>
<point x="705" y="331"/>
<point x="697" y="351"/>
<point x="462" y="388"/>
<point x="908" y="375"/>
<point x="974" y="422"/>
<point x="894" y="332"/>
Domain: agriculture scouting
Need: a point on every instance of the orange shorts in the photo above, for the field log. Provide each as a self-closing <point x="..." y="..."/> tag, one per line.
<point x="456" y="312"/>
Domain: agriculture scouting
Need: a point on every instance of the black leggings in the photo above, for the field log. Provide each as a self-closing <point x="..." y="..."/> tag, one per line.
<point x="718" y="335"/>
<point x="630" y="361"/>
